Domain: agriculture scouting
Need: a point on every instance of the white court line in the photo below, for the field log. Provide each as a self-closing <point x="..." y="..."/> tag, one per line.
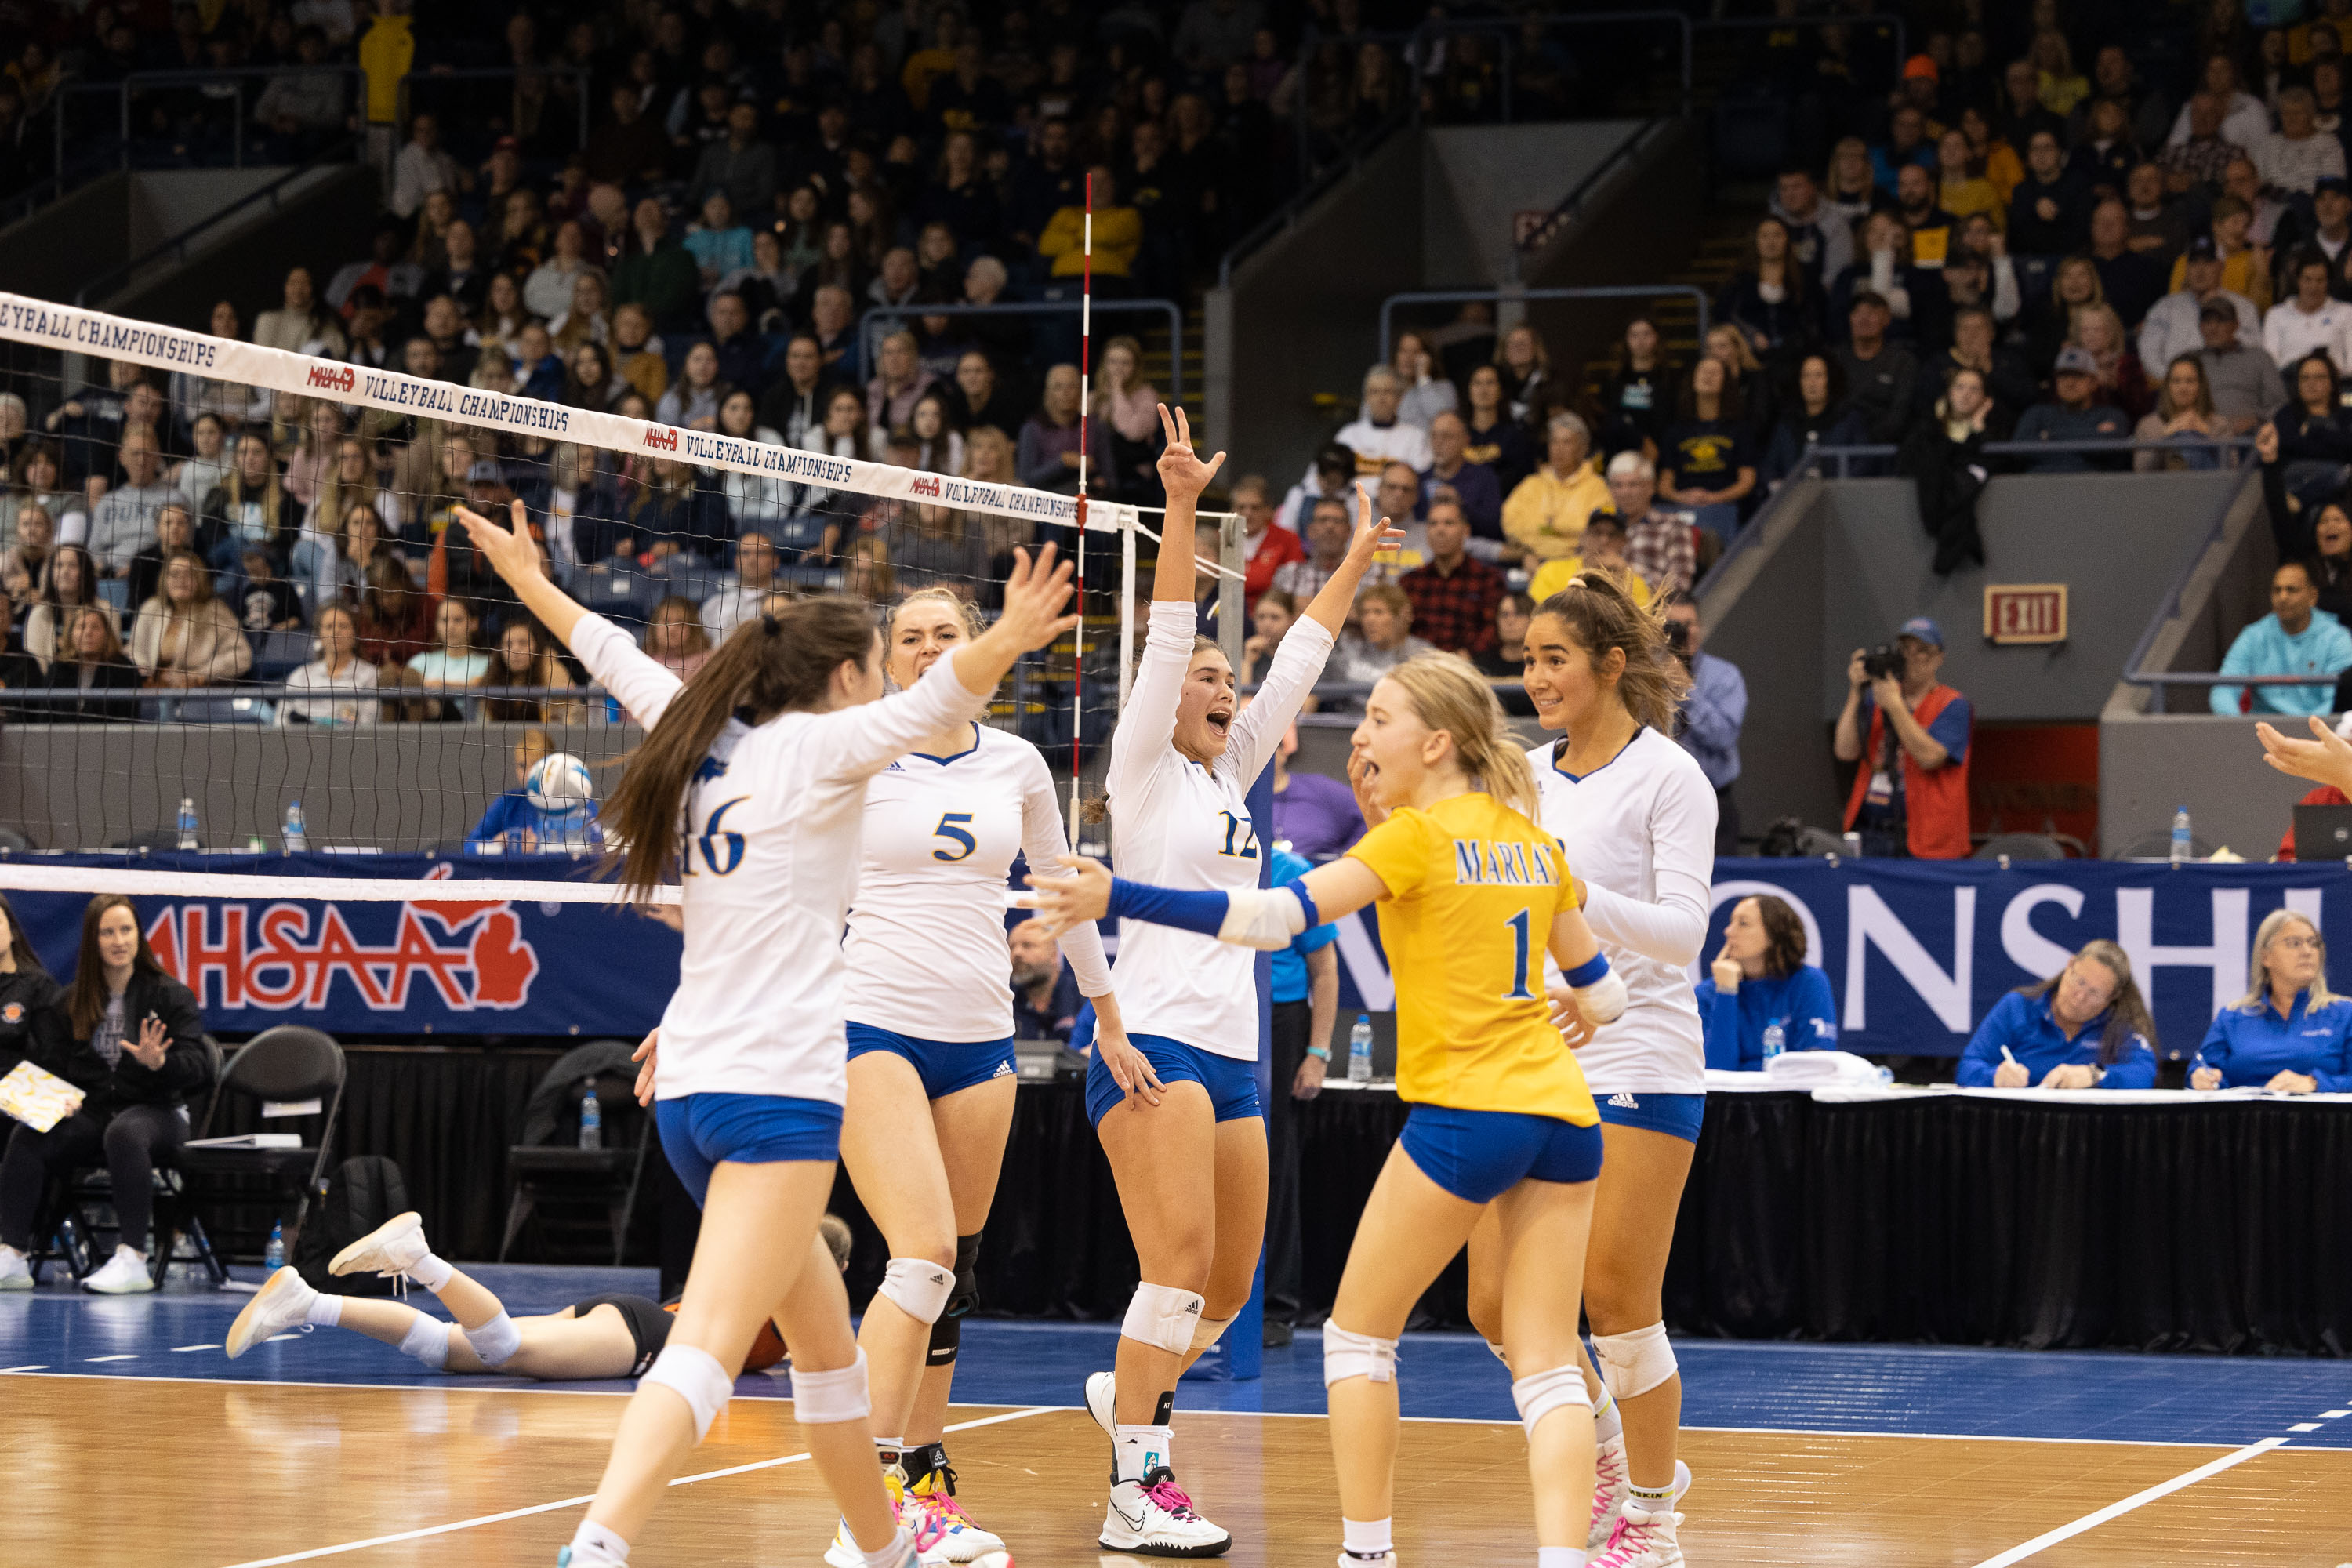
<point x="2304" y="1426"/>
<point x="2117" y="1509"/>
<point x="100" y="1358"/>
<point x="183" y="1350"/>
<point x="2333" y="1415"/>
<point x="434" y="1530"/>
<point x="37" y="1366"/>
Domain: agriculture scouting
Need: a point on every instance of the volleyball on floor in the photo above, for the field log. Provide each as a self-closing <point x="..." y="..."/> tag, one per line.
<point x="559" y="782"/>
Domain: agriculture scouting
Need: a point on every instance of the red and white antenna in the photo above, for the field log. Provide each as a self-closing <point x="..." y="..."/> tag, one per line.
<point x="1085" y="401"/>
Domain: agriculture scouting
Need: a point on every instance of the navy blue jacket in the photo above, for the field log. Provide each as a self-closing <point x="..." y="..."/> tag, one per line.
<point x="2251" y="1048"/>
<point x="2025" y="1025"/>
<point x="1798" y="1003"/>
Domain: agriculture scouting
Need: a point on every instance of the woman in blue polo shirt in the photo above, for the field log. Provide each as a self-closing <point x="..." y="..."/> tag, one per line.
<point x="2084" y="1028"/>
<point x="1764" y="999"/>
<point x="2291" y="1033"/>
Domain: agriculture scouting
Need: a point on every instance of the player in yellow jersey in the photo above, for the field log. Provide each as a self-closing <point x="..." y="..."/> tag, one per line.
<point x="1471" y="893"/>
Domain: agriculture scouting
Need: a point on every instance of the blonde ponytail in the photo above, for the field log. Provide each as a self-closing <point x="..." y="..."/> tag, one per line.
<point x="1449" y="694"/>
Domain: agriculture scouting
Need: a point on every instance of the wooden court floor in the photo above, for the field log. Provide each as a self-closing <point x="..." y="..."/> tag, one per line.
<point x="155" y="1473"/>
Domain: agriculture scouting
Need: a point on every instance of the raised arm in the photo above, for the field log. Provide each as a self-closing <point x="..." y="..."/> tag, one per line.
<point x="1329" y="608"/>
<point x="1183" y="476"/>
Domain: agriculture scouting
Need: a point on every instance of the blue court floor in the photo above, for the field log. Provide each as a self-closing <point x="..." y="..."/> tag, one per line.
<point x="1891" y="1390"/>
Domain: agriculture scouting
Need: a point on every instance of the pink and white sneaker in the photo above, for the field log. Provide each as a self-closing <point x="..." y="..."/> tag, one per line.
<point x="1154" y="1518"/>
<point x="1611" y="1483"/>
<point x="1642" y="1539"/>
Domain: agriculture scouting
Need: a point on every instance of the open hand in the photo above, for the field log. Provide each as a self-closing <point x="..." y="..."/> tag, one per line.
<point x="1371" y="538"/>
<point x="1128" y="1067"/>
<point x="2326" y="758"/>
<point x="1034" y="598"/>
<point x="1574" y="1027"/>
<point x="509" y="551"/>
<point x="648" y="1053"/>
<point x="1182" y="472"/>
<point x="1066" y="901"/>
<point x="154" y="1040"/>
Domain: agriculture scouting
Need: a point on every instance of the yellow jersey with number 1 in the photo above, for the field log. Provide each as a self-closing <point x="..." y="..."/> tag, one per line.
<point x="1472" y="890"/>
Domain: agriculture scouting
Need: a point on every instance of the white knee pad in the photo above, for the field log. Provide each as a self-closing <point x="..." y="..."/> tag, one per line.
<point x="1347" y="1355"/>
<point x="496" y="1341"/>
<point x="1164" y="1316"/>
<point x="918" y="1288"/>
<point x="1632" y="1364"/>
<point x="1210" y="1331"/>
<point x="822" y="1398"/>
<point x="429" y="1341"/>
<point x="1540" y="1394"/>
<point x="695" y="1376"/>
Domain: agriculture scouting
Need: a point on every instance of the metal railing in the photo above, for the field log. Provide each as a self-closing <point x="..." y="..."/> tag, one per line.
<point x="271" y="196"/>
<point x="578" y="76"/>
<point x="2136" y="670"/>
<point x="231" y="85"/>
<point x="1608" y="291"/>
<point x="2228" y="451"/>
<point x="880" y="316"/>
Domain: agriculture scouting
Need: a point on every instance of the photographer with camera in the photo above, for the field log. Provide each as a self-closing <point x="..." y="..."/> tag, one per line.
<point x="1713" y="709"/>
<point x="1910" y="733"/>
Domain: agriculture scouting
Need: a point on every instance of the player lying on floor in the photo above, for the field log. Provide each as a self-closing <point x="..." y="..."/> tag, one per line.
<point x="608" y="1336"/>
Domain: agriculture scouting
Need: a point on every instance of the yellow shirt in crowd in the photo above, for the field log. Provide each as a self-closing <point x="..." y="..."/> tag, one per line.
<point x="1558" y="573"/>
<point x="1118" y="234"/>
<point x="1472" y="890"/>
<point x="1546" y="513"/>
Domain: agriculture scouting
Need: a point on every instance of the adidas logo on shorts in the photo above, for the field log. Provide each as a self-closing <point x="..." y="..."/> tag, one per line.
<point x="1003" y="1069"/>
<point x="1624" y="1101"/>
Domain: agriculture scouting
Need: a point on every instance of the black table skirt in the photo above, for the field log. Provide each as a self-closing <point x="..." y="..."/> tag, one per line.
<point x="1950" y="1220"/>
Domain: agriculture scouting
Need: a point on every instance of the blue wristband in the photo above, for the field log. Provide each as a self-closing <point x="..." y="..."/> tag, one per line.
<point x="1588" y="973"/>
<point x="1298" y="887"/>
<point x="1182" y="908"/>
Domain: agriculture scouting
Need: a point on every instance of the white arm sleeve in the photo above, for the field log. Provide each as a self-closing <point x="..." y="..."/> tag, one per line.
<point x="1042" y="841"/>
<point x="1682" y="866"/>
<point x="1298" y="664"/>
<point x="1148" y="723"/>
<point x="869" y="737"/>
<point x="641" y="685"/>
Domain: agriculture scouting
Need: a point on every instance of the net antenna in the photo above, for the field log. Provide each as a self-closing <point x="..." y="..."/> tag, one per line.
<point x="1086" y="410"/>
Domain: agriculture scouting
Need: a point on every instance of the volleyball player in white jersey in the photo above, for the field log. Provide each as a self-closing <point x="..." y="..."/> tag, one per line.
<point x="751" y="784"/>
<point x="929" y="1005"/>
<point x="1190" y="1160"/>
<point x="1637" y="819"/>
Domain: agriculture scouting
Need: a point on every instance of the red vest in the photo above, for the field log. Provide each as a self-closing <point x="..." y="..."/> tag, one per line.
<point x="1935" y="804"/>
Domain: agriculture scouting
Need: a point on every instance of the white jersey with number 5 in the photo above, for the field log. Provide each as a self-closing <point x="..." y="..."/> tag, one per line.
<point x="768" y="864"/>
<point x="1179" y="825"/>
<point x="1640" y="833"/>
<point x="926" y="941"/>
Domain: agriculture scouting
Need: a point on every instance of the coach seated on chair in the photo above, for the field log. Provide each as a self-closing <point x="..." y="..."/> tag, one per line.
<point x="2084" y="1028"/>
<point x="1762" y="998"/>
<point x="137" y="1052"/>
<point x="2289" y="1034"/>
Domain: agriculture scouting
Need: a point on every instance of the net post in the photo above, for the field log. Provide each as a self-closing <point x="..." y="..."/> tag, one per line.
<point x="1232" y="617"/>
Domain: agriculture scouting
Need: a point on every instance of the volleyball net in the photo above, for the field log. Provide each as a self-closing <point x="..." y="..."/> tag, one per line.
<point x="239" y="585"/>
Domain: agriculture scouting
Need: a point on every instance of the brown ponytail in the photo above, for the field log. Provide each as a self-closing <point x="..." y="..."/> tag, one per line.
<point x="771" y="665"/>
<point x="1600" y="615"/>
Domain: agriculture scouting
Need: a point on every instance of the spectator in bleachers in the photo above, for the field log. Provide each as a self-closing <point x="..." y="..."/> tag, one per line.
<point x="1119" y="236"/>
<point x="1706" y="463"/>
<point x="2289" y="1034"/>
<point x="453" y="664"/>
<point x="693" y="399"/>
<point x="1944" y="457"/>
<point x="738" y="598"/>
<point x="899" y="379"/>
<point x="743" y="353"/>
<point x="2117" y="80"/>
<point x="249" y="506"/>
<point x="185" y="637"/>
<point x="395" y="620"/>
<point x="35" y="485"/>
<point x="2193" y="163"/>
<point x="1638" y="395"/>
<point x="1378" y="435"/>
<point x="333" y="677"/>
<point x="932" y="545"/>
<point x="1961" y="188"/>
<point x="719" y="244"/>
<point x="1817" y="417"/>
<point x="2041" y="1035"/>
<point x="2243" y="378"/>
<point x="463" y="276"/>
<point x="89" y="660"/>
<point x="1330" y="526"/>
<point x="2106" y="152"/>
<point x="2330" y="231"/>
<point x="1452" y="592"/>
<point x="1383" y="640"/>
<point x="1049" y="456"/>
<point x="67" y="581"/>
<point x="1772" y="297"/>
<point x="2021" y="111"/>
<point x="262" y="600"/>
<point x="2298" y="154"/>
<point x="1714" y="711"/>
<point x="741" y="163"/>
<point x="123" y="522"/>
<point x="637" y="351"/>
<point x="866" y="572"/>
<point x="1426" y="391"/>
<point x="2296" y="638"/>
<point x="1471" y="484"/>
<point x="1820" y="238"/>
<point x="2184" y="414"/>
<point x="588" y="379"/>
<point x="137" y="1053"/>
<point x="1270" y="617"/>
<point x="1603" y="550"/>
<point x="2311" y="320"/>
<point x="2073" y="414"/>
<point x="1658" y="542"/>
<point x="795" y="402"/>
<point x="423" y="168"/>
<point x="176" y="529"/>
<point x="2311" y="436"/>
<point x="1046" y="1000"/>
<point x="2122" y="380"/>
<point x="1508" y="658"/>
<point x="2050" y="212"/>
<point x="1928" y="225"/>
<point x="1266" y="545"/>
<point x="536" y="369"/>
<point x="1762" y="997"/>
<point x="1849" y="189"/>
<point x="1910" y="733"/>
<point x="1880" y="377"/>
<point x="1497" y="442"/>
<point x="1545" y="516"/>
<point x="658" y="272"/>
<point x="939" y="447"/>
<point x="1905" y="147"/>
<point x="1525" y="364"/>
<point x="1976" y="345"/>
<point x="523" y="659"/>
<point x="547" y="290"/>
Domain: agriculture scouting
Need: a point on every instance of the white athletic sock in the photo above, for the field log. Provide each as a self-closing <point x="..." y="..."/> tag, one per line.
<point x="429" y="1341"/>
<point x="1140" y="1450"/>
<point x="1658" y="1501"/>
<point x="890" y="1556"/>
<point x="1560" y="1557"/>
<point x="325" y="1310"/>
<point x="1365" y="1539"/>
<point x="1608" y="1420"/>
<point x="431" y="1272"/>
<point x="594" y="1546"/>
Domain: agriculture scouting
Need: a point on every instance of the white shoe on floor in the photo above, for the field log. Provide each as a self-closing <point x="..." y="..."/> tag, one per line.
<point x="392" y="1248"/>
<point x="15" y="1272"/>
<point x="125" y="1274"/>
<point x="283" y="1303"/>
<point x="1642" y="1540"/>
<point x="959" y="1539"/>
<point x="1154" y="1518"/>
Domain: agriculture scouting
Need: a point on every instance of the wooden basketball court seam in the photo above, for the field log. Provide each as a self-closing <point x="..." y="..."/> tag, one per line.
<point x="2117" y="1510"/>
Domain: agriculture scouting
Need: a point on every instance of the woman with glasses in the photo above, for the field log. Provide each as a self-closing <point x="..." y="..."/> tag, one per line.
<point x="2084" y="1028"/>
<point x="2290" y="1034"/>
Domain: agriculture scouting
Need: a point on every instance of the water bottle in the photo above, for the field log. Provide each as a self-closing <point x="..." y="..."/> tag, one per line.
<point x="187" y="822"/>
<point x="591" y="1117"/>
<point x="2183" y="847"/>
<point x="273" y="1257"/>
<point x="1776" y="1039"/>
<point x="1359" y="1050"/>
<point x="297" y="840"/>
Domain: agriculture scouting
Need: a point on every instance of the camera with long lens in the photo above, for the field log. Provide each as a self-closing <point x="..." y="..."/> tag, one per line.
<point x="1882" y="662"/>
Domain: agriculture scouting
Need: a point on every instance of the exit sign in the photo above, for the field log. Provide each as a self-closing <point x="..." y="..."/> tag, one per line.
<point x="2025" y="612"/>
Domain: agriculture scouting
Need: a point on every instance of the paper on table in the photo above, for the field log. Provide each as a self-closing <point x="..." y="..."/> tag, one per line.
<point x="39" y="1100"/>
